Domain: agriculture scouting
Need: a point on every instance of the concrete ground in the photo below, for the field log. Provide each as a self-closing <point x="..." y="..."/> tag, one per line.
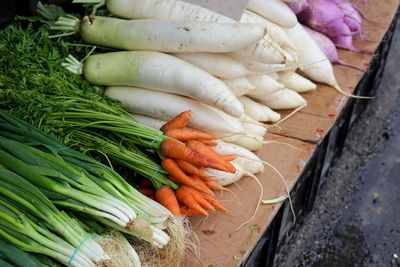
<point x="356" y="218"/>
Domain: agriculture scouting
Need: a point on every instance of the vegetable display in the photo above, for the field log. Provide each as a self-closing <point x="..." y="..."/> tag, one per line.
<point x="103" y="160"/>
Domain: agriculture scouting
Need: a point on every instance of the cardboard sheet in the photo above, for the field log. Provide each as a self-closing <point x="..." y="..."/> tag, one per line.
<point x="220" y="243"/>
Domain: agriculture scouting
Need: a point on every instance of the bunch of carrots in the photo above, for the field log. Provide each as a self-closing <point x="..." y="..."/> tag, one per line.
<point x="187" y="151"/>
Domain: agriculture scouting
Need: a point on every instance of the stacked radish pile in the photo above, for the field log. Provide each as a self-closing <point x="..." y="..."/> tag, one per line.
<point x="180" y="57"/>
<point x="231" y="74"/>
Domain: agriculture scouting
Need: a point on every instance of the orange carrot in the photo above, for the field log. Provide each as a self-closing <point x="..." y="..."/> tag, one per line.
<point x="202" y="200"/>
<point x="184" y="195"/>
<point x="210" y="154"/>
<point x="207" y="142"/>
<point x="215" y="186"/>
<point x="147" y="191"/>
<point x="166" y="197"/>
<point x="179" y="176"/>
<point x="203" y="184"/>
<point x="144" y="182"/>
<point x="217" y="204"/>
<point x="229" y="157"/>
<point x="185" y="210"/>
<point x="179" y="122"/>
<point x="192" y="170"/>
<point x="186" y="134"/>
<point x="176" y="150"/>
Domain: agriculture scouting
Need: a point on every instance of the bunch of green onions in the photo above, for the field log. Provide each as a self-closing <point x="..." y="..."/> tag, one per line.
<point x="79" y="183"/>
<point x="29" y="220"/>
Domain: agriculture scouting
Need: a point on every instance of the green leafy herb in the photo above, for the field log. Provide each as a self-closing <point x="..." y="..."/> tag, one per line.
<point x="35" y="87"/>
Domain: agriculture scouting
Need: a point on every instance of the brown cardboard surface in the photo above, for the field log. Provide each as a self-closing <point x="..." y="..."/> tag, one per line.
<point x="219" y="242"/>
<point x="219" y="247"/>
<point x="230" y="8"/>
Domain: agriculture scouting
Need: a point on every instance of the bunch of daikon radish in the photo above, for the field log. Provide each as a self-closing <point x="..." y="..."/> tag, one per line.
<point x="180" y="56"/>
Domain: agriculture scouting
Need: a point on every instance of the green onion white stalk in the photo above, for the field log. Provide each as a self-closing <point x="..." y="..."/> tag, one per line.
<point x="21" y="203"/>
<point x="100" y="183"/>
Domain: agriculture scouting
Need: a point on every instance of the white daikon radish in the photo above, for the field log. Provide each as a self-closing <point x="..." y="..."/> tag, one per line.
<point x="247" y="119"/>
<point x="239" y="86"/>
<point x="313" y="61"/>
<point x="258" y="111"/>
<point x="166" y="106"/>
<point x="246" y="158"/>
<point x="161" y="9"/>
<point x="257" y="67"/>
<point x="226" y="178"/>
<point x="171" y="10"/>
<point x="219" y="65"/>
<point x="274" y="31"/>
<point x="276" y="34"/>
<point x="168" y="36"/>
<point x="159" y="71"/>
<point x="275" y="11"/>
<point x="274" y="75"/>
<point x="249" y="141"/>
<point x="254" y="129"/>
<point x="264" y="85"/>
<point x="296" y="82"/>
<point x="264" y="51"/>
<point x="149" y="121"/>
<point x="282" y="99"/>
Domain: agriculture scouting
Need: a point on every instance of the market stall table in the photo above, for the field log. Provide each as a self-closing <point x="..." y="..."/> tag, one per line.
<point x="304" y="154"/>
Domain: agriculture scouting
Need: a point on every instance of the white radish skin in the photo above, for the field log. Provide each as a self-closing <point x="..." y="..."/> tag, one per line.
<point x="149" y="121"/>
<point x="246" y="158"/>
<point x="276" y="34"/>
<point x="274" y="75"/>
<point x="247" y="119"/>
<point x="163" y="9"/>
<point x="239" y="86"/>
<point x="296" y="82"/>
<point x="219" y="65"/>
<point x="159" y="71"/>
<point x="166" y="106"/>
<point x="249" y="141"/>
<point x="313" y="61"/>
<point x="275" y="11"/>
<point x="283" y="99"/>
<point x="169" y="36"/>
<point x="172" y="10"/>
<point x="264" y="51"/>
<point x="254" y="129"/>
<point x="257" y="67"/>
<point x="258" y="111"/>
<point x="226" y="178"/>
<point x="264" y="85"/>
